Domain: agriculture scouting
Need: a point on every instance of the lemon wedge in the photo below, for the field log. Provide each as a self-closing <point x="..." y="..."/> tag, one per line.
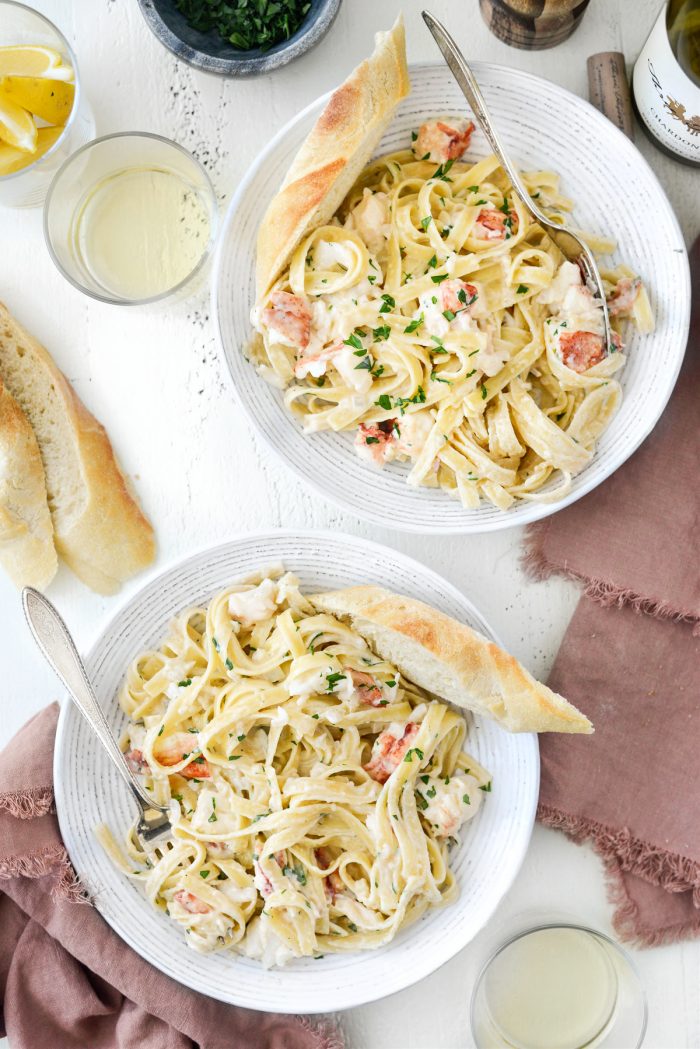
<point x="33" y="60"/>
<point x="17" y="127"/>
<point x="52" y="100"/>
<point x="13" y="159"/>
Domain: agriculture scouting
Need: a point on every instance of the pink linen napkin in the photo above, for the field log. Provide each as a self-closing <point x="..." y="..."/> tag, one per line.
<point x="67" y="980"/>
<point x="631" y="661"/>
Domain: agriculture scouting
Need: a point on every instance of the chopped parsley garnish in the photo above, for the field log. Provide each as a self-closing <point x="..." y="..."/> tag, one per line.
<point x="160" y="730"/>
<point x="414" y="325"/>
<point x="204" y="874"/>
<point x="241" y="737"/>
<point x="229" y="664"/>
<point x="441" y="171"/>
<point x="354" y="341"/>
<point x="432" y="263"/>
<point x="426" y="221"/>
<point x="382" y="333"/>
<point x="439" y="345"/>
<point x="212" y="818"/>
<point x="297" y="871"/>
<point x="384" y="402"/>
<point x="261" y="816"/>
<point x="469" y="374"/>
<point x="184" y="683"/>
<point x="438" y="278"/>
<point x="313" y="640"/>
<point x="418" y="398"/>
<point x="486" y="787"/>
<point x="420" y="800"/>
<point x="390" y="684"/>
<point x="216" y="644"/>
<point x="371" y="278"/>
<point x="333" y="679"/>
<point x="436" y="378"/>
<point x="315" y="717"/>
<point x="352" y="927"/>
<point x="246" y="25"/>
<point x="367" y="363"/>
<point x="388" y="304"/>
<point x="371" y="440"/>
<point x="465" y="799"/>
<point x="414" y="136"/>
<point x="484" y="392"/>
<point x="431" y="792"/>
<point x="425" y="779"/>
<point x="522" y="289"/>
<point x="411" y="752"/>
<point x="177" y="797"/>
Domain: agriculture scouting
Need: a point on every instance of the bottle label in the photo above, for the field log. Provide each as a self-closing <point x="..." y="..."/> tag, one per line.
<point x="667" y="100"/>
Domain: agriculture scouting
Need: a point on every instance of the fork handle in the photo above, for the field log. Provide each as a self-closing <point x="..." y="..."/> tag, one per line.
<point x="467" y="82"/>
<point x="53" y="638"/>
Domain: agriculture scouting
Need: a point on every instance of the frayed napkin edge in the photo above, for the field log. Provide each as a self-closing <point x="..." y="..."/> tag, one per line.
<point x="50" y="861"/>
<point x="622" y="853"/>
<point x="28" y="804"/>
<point x="538" y="568"/>
<point x="328" y="1034"/>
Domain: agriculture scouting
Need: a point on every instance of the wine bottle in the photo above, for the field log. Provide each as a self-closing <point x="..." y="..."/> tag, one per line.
<point x="666" y="81"/>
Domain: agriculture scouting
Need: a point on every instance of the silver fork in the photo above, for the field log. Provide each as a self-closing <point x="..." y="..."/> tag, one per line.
<point x="570" y="245"/>
<point x="53" y="638"/>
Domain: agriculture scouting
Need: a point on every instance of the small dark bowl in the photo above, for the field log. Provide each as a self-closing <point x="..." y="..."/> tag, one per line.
<point x="210" y="53"/>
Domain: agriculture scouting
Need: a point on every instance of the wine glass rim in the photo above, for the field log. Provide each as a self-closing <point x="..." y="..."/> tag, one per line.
<point x="76" y="80"/>
<point x="578" y="927"/>
<point x="213" y="209"/>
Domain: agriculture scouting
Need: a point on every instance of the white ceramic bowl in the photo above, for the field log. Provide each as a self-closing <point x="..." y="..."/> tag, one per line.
<point x="616" y="193"/>
<point x="89" y="791"/>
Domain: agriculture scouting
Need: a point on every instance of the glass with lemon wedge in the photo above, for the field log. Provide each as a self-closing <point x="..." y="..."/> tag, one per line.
<point x="43" y="114"/>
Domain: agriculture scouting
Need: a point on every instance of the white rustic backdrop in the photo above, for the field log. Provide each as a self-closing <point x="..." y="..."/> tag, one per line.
<point x="156" y="379"/>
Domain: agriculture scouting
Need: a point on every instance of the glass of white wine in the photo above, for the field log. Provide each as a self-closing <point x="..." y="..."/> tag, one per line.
<point x="131" y="219"/>
<point x="559" y="986"/>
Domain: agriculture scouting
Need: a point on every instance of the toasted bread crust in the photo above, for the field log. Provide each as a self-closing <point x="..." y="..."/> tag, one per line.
<point x="333" y="155"/>
<point x="27" y="551"/>
<point x="478" y="674"/>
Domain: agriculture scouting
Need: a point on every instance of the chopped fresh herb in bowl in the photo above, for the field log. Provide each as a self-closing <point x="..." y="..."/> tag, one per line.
<point x="247" y="24"/>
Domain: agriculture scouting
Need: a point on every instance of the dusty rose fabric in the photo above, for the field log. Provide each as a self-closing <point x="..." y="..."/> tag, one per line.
<point x="631" y="661"/>
<point x="67" y="981"/>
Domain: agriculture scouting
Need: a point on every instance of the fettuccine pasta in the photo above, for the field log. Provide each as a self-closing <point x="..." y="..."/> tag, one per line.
<point x="443" y="327"/>
<point x="314" y="795"/>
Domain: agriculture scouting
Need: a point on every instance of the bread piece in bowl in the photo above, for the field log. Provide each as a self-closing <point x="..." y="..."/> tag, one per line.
<point x="27" y="551"/>
<point x="333" y="155"/>
<point x="99" y="528"/>
<point x="452" y="661"/>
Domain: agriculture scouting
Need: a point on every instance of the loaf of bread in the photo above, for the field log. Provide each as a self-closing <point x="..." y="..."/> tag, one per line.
<point x="27" y="551"/>
<point x="452" y="661"/>
<point x="99" y="529"/>
<point x="333" y="155"/>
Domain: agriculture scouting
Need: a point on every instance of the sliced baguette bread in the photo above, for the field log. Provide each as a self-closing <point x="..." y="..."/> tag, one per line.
<point x="27" y="551"/>
<point x="99" y="529"/>
<point x="451" y="660"/>
<point x="333" y="155"/>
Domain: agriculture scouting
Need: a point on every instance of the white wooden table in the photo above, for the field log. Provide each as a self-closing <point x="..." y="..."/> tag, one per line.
<point x="156" y="379"/>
